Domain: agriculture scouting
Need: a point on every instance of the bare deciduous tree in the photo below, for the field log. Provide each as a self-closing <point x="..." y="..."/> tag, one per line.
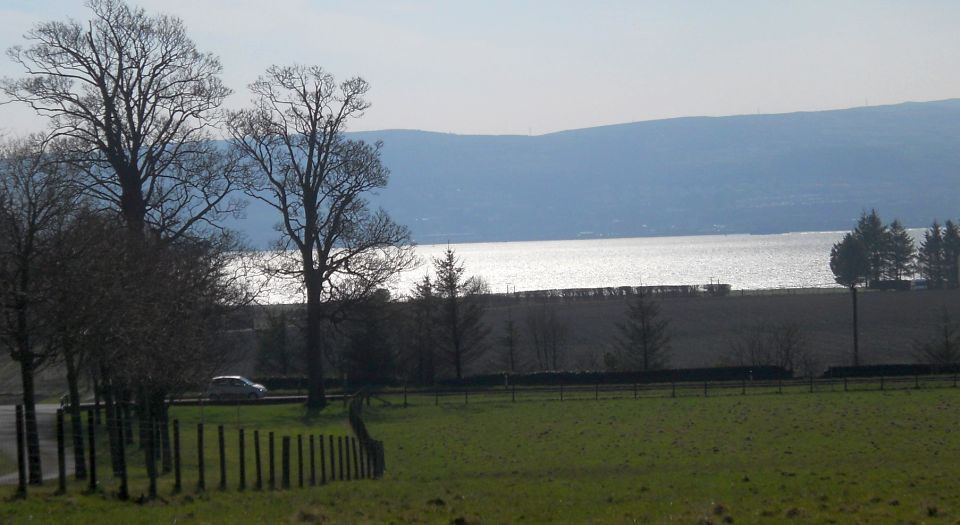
<point x="547" y="334"/>
<point x="37" y="201"/>
<point x="644" y="342"/>
<point x="135" y="100"/>
<point x="317" y="180"/>
<point x="944" y="347"/>
<point x="780" y="344"/>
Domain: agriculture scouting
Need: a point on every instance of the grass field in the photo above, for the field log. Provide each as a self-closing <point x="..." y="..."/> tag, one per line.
<point x="867" y="457"/>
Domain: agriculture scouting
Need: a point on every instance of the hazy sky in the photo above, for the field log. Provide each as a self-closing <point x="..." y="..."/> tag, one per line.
<point x="513" y="66"/>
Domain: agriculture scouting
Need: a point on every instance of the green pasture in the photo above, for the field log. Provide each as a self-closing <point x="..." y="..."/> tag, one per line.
<point x="854" y="457"/>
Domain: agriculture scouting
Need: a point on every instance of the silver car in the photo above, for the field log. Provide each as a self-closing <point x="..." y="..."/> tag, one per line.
<point x="235" y="387"/>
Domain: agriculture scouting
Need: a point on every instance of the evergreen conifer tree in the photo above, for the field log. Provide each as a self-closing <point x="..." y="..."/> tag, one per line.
<point x="850" y="263"/>
<point x="951" y="254"/>
<point x="931" y="256"/>
<point x="902" y="255"/>
<point x="876" y="241"/>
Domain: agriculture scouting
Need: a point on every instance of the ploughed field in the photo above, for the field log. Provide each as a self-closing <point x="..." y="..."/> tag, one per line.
<point x="868" y="457"/>
<point x="703" y="328"/>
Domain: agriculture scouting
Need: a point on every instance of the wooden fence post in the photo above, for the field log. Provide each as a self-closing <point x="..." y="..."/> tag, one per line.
<point x="273" y="476"/>
<point x="151" y="455"/>
<point x="223" y="457"/>
<point x="124" y="492"/>
<point x="333" y="466"/>
<point x="346" y="454"/>
<point x="704" y="389"/>
<point x="61" y="456"/>
<point x="313" y="463"/>
<point x="323" y="461"/>
<point x="743" y="387"/>
<point x="243" y="459"/>
<point x="79" y="463"/>
<point x="356" y="462"/>
<point x="21" y="457"/>
<point x="340" y="457"/>
<point x="779" y="385"/>
<point x="561" y="391"/>
<point x="92" y="449"/>
<point x="300" y="460"/>
<point x="370" y="459"/>
<point x="363" y="464"/>
<point x="201" y="471"/>
<point x="177" y="474"/>
<point x="634" y="390"/>
<point x="285" y="462"/>
<point x="256" y="457"/>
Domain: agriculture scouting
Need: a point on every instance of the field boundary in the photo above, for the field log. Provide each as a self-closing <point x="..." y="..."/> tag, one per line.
<point x="601" y="391"/>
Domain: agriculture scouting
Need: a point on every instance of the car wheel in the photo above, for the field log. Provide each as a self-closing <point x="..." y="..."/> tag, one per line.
<point x="251" y="396"/>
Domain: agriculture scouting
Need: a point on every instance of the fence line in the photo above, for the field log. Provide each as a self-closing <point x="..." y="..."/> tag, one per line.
<point x="351" y="451"/>
<point x="370" y="449"/>
<point x="598" y="391"/>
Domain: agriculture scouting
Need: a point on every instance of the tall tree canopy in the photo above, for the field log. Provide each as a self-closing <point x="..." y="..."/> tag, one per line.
<point x="462" y="330"/>
<point x="339" y="248"/>
<point x="850" y="263"/>
<point x="135" y="101"/>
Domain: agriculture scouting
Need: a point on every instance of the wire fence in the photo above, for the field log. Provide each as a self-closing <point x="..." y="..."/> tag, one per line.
<point x="600" y="391"/>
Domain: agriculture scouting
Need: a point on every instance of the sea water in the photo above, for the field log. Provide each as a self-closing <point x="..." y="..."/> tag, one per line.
<point x="745" y="262"/>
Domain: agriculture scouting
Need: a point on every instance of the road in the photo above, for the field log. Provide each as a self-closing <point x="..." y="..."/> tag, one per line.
<point x="47" y="425"/>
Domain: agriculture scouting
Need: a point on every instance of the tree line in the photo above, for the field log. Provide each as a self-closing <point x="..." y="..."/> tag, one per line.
<point x="114" y="259"/>
<point x="441" y="331"/>
<point x="877" y="255"/>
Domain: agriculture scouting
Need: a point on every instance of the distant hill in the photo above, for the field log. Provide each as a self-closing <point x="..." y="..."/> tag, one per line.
<point x="742" y="174"/>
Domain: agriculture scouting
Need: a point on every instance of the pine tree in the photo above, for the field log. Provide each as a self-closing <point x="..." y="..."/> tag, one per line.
<point x="903" y="253"/>
<point x="931" y="256"/>
<point x="876" y="240"/>
<point x="850" y="263"/>
<point x="951" y="254"/>
<point x="422" y="339"/>
<point x="644" y="342"/>
<point x="461" y="316"/>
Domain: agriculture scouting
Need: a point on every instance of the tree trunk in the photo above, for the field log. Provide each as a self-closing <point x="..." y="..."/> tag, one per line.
<point x="856" y="331"/>
<point x="166" y="453"/>
<point x="313" y="351"/>
<point x="113" y="424"/>
<point x="35" y="474"/>
<point x="79" y="464"/>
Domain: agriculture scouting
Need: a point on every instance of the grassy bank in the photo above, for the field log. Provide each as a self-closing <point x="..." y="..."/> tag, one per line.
<point x="871" y="457"/>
